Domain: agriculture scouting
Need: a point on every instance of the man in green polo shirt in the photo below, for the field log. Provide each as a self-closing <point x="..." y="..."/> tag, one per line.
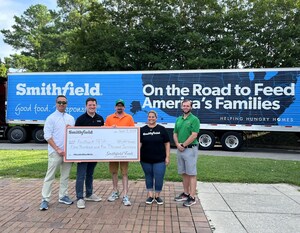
<point x="185" y="136"/>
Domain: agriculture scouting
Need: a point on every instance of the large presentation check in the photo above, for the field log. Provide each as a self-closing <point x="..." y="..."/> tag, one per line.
<point x="88" y="144"/>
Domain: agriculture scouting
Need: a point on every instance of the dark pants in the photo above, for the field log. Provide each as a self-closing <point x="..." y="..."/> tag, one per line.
<point x="85" y="172"/>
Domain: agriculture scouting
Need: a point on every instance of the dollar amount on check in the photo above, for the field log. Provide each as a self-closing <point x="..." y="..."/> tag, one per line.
<point x="87" y="144"/>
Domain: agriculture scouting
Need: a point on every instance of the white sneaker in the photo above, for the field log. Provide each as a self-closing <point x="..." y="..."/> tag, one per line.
<point x="113" y="196"/>
<point x="126" y="201"/>
<point x="93" y="197"/>
<point x="80" y="204"/>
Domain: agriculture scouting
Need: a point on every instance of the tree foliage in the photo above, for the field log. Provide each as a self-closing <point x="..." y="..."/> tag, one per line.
<point x="97" y="35"/>
<point x="3" y="70"/>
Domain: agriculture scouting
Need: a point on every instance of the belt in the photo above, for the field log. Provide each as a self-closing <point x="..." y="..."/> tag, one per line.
<point x="190" y="146"/>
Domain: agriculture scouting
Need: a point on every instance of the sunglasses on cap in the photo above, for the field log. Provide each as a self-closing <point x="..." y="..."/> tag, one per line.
<point x="61" y="102"/>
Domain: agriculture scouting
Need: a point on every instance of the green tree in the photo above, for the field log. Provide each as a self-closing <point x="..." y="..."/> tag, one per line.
<point x="275" y="32"/>
<point x="152" y="35"/>
<point x="3" y="70"/>
<point x="166" y="34"/>
<point x="146" y="30"/>
<point x="233" y="32"/>
<point x="76" y="27"/>
<point x="29" y="35"/>
<point x="198" y="38"/>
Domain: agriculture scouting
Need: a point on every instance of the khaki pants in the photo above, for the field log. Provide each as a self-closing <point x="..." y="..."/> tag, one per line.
<point x="56" y="161"/>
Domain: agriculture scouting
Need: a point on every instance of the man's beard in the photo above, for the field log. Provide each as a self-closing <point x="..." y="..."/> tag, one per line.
<point x="187" y="112"/>
<point x="119" y="111"/>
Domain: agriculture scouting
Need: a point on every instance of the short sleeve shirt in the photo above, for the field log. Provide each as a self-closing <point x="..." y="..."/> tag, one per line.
<point x="153" y="141"/>
<point x="185" y="127"/>
<point x="125" y="120"/>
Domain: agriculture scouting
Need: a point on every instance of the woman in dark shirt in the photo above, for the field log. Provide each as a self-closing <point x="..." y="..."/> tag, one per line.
<point x="155" y="155"/>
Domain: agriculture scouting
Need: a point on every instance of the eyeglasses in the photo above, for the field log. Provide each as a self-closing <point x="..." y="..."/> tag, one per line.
<point x="61" y="102"/>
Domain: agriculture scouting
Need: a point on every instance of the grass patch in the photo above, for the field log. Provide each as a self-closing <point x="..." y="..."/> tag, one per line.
<point x="33" y="164"/>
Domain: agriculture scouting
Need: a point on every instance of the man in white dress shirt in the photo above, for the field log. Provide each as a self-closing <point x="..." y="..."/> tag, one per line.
<point x="54" y="134"/>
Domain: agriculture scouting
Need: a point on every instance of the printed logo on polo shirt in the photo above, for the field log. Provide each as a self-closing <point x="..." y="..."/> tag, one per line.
<point x="150" y="133"/>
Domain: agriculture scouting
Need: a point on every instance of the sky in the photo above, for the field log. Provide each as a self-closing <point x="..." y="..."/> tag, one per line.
<point x="11" y="8"/>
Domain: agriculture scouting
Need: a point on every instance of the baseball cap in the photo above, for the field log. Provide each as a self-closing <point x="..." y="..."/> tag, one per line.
<point x="120" y="101"/>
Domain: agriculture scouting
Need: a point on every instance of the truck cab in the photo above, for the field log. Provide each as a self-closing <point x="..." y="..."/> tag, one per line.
<point x="3" y="125"/>
<point x="16" y="133"/>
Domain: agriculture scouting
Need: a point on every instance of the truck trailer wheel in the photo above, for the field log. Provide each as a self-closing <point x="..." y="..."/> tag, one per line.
<point x="38" y="135"/>
<point x="232" y="141"/>
<point x="206" y="140"/>
<point x="17" y="134"/>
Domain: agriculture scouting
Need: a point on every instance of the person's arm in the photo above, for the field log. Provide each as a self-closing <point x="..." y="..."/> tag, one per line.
<point x="78" y="122"/>
<point x="102" y="121"/>
<point x="48" y="128"/>
<point x="194" y="133"/>
<point x="167" y="147"/>
<point x="131" y="121"/>
<point x="190" y="139"/>
<point x="175" y="138"/>
<point x="107" y="123"/>
<point x="178" y="145"/>
<point x="110" y="122"/>
<point x="55" y="147"/>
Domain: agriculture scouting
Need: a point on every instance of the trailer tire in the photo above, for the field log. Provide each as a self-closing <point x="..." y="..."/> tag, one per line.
<point x="231" y="141"/>
<point x="206" y="140"/>
<point x="17" y="134"/>
<point x="38" y="135"/>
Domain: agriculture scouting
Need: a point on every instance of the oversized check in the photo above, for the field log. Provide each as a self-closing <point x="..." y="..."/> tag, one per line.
<point x="88" y="144"/>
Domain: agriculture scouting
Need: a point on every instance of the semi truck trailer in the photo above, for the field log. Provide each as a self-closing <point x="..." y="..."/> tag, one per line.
<point x="229" y="103"/>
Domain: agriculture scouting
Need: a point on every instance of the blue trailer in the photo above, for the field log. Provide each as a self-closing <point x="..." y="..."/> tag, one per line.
<point x="229" y="103"/>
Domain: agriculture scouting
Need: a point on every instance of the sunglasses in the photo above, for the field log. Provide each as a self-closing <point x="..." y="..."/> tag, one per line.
<point x="61" y="102"/>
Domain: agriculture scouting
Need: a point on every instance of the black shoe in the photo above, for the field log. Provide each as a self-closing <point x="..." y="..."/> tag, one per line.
<point x="189" y="202"/>
<point x="159" y="201"/>
<point x="149" y="200"/>
<point x="181" y="197"/>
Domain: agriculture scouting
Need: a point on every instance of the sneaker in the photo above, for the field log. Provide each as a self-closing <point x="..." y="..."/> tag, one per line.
<point x="80" y="204"/>
<point x="44" y="205"/>
<point x="159" y="201"/>
<point x="189" y="202"/>
<point x="126" y="201"/>
<point x="65" y="200"/>
<point x="149" y="200"/>
<point x="182" y="197"/>
<point x="93" y="197"/>
<point x="113" y="196"/>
